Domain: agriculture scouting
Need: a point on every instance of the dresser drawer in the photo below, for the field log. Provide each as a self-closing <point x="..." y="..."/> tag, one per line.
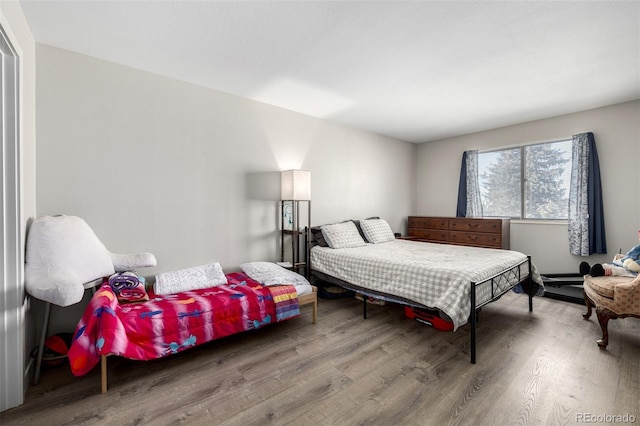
<point x="428" y="222"/>
<point x="471" y="225"/>
<point x="475" y="239"/>
<point x="435" y="235"/>
<point x="465" y="231"/>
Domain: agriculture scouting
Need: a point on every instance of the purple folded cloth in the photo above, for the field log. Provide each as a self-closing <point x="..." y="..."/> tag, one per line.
<point x="128" y="287"/>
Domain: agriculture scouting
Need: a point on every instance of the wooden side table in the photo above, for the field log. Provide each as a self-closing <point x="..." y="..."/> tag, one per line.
<point x="309" y="298"/>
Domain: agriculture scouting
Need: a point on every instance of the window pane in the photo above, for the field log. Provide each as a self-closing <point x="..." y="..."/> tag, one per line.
<point x="499" y="179"/>
<point x="547" y="176"/>
<point x="536" y="176"/>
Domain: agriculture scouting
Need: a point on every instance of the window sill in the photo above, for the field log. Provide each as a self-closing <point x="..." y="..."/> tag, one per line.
<point x="539" y="222"/>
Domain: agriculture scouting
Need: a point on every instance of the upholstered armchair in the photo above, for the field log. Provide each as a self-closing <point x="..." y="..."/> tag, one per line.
<point x="613" y="297"/>
<point x="64" y="257"/>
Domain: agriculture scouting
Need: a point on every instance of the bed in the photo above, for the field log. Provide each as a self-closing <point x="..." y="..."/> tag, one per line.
<point x="455" y="280"/>
<point x="168" y="324"/>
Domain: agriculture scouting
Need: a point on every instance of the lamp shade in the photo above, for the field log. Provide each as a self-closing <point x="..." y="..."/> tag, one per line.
<point x="296" y="185"/>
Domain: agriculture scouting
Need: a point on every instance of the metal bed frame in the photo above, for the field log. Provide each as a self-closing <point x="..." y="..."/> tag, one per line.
<point x="496" y="292"/>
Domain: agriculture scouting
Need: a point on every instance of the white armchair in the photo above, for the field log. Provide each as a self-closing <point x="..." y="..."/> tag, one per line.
<point x="63" y="258"/>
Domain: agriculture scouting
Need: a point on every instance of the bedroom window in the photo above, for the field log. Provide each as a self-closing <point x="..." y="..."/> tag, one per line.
<point x="526" y="182"/>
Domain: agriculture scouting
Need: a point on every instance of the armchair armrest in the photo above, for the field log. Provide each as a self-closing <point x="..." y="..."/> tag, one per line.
<point x="62" y="289"/>
<point x="627" y="290"/>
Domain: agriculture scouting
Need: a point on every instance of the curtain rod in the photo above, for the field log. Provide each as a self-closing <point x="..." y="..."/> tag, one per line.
<point x="503" y="147"/>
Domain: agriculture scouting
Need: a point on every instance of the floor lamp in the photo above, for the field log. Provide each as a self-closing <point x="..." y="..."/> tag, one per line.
<point x="296" y="189"/>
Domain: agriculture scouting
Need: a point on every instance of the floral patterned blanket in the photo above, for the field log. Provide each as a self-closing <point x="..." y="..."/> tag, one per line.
<point x="171" y="323"/>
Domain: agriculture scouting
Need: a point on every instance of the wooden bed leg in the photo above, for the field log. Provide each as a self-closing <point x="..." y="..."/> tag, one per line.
<point x="103" y="370"/>
<point x="315" y="309"/>
<point x="472" y="318"/>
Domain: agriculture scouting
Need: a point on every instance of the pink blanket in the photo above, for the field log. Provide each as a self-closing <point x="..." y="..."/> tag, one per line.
<point x="172" y="323"/>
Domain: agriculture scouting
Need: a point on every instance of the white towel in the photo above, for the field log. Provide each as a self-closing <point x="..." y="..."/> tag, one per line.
<point x="195" y="278"/>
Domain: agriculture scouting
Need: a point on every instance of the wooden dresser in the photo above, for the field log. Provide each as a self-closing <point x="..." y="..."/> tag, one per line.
<point x="490" y="233"/>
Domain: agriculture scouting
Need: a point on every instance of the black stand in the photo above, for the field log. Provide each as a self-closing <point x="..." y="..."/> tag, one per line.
<point x="296" y="262"/>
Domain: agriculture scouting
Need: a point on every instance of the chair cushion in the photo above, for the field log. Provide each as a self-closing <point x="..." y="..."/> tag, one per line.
<point x="62" y="253"/>
<point x="604" y="286"/>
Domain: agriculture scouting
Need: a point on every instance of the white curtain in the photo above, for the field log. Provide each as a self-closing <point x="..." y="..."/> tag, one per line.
<point x="586" y="210"/>
<point x="474" y="202"/>
<point x="578" y="205"/>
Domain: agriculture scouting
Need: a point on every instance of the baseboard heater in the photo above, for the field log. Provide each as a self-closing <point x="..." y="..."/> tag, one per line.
<point x="566" y="287"/>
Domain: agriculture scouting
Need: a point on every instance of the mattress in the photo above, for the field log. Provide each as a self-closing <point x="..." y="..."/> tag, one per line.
<point x="432" y="275"/>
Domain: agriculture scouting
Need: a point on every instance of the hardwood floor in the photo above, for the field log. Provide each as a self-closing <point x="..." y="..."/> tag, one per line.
<point x="540" y="368"/>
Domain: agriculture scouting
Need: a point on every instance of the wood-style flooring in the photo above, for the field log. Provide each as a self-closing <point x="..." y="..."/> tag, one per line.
<point x="540" y="368"/>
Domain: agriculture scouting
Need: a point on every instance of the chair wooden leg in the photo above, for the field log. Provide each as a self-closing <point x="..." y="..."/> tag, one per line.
<point x="603" y="319"/>
<point x="43" y="337"/>
<point x="589" y="304"/>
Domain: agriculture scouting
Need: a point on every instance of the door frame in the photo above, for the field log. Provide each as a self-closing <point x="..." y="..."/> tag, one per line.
<point x="13" y="302"/>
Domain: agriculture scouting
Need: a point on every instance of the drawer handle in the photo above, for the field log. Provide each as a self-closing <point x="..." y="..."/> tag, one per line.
<point x="473" y="225"/>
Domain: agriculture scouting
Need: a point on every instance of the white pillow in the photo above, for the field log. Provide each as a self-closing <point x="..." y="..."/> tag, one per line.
<point x="269" y="273"/>
<point x="377" y="230"/>
<point x="195" y="278"/>
<point x="342" y="235"/>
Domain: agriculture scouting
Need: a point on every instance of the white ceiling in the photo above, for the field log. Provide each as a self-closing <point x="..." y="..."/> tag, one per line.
<point x="417" y="71"/>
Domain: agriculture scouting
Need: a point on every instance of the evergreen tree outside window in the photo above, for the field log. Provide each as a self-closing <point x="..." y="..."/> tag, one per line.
<point x="527" y="182"/>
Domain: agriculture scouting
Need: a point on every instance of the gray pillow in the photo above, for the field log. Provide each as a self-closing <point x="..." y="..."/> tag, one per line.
<point x="377" y="230"/>
<point x="342" y="235"/>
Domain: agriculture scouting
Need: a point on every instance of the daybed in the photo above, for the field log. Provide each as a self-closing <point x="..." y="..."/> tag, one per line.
<point x="186" y="308"/>
<point x="455" y="280"/>
<point x="171" y="323"/>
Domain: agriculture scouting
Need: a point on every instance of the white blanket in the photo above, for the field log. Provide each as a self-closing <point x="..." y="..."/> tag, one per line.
<point x="195" y="278"/>
<point x="434" y="275"/>
<point x="269" y="273"/>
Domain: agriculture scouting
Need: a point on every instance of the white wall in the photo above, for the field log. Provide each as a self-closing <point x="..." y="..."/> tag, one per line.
<point x="617" y="133"/>
<point x="191" y="174"/>
<point x="12" y="371"/>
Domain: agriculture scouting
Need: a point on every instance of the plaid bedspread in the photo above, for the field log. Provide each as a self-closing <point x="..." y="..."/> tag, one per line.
<point x="434" y="275"/>
<point x="171" y="323"/>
